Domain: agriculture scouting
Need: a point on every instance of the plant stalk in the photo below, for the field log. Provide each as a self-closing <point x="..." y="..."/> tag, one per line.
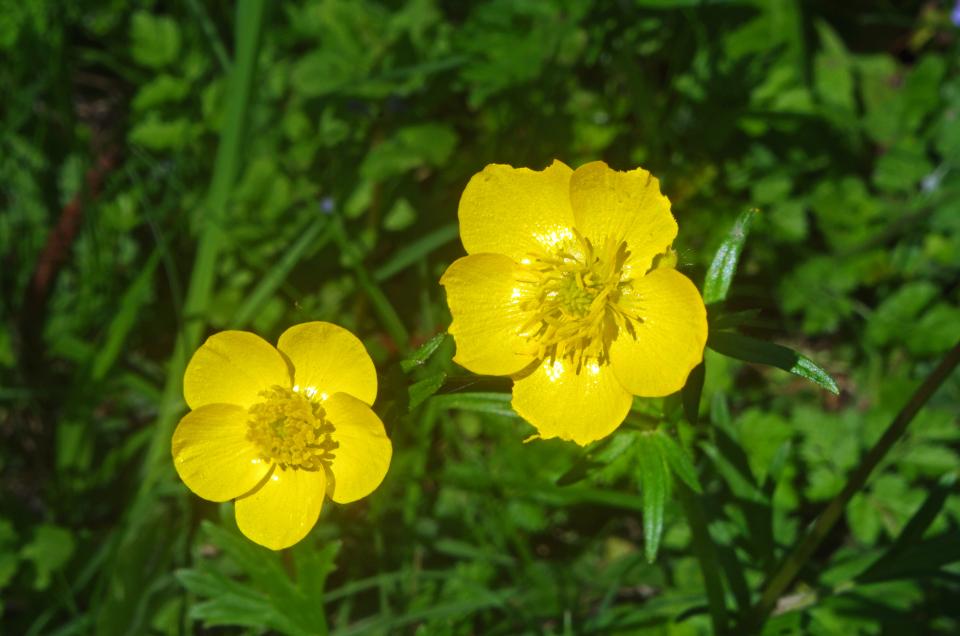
<point x="784" y="576"/>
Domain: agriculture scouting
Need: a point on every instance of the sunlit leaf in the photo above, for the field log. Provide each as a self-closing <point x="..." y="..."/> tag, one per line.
<point x="750" y="349"/>
<point x="724" y="264"/>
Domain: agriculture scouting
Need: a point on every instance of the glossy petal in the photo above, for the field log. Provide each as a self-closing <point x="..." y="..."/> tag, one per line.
<point x="212" y="455"/>
<point x="514" y="211"/>
<point x="284" y="509"/>
<point x="582" y="407"/>
<point x="233" y="367"/>
<point x="625" y="206"/>
<point x="486" y="316"/>
<point x="670" y="339"/>
<point x="362" y="459"/>
<point x="328" y="359"/>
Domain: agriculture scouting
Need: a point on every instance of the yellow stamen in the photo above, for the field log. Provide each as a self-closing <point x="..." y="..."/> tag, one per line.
<point x="290" y="429"/>
<point x="573" y="294"/>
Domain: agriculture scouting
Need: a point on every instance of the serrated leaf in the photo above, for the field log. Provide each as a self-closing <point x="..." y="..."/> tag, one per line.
<point x="423" y="353"/>
<point x="259" y="563"/>
<point x="724" y="264"/>
<point x="420" y="391"/>
<point x="314" y="566"/>
<point x="655" y="482"/>
<point x="749" y="349"/>
<point x="678" y="460"/>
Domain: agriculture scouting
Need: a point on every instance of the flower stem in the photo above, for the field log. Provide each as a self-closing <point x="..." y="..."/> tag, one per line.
<point x="703" y="549"/>
<point x="778" y="583"/>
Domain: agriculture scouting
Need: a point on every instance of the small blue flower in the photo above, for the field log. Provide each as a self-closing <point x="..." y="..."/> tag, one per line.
<point x="955" y="15"/>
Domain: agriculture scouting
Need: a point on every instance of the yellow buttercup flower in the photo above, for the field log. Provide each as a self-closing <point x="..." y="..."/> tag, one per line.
<point x="278" y="429"/>
<point x="569" y="287"/>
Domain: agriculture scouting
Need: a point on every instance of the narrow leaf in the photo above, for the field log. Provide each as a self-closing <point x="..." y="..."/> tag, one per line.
<point x="493" y="403"/>
<point x="603" y="454"/>
<point x="724" y="264"/>
<point x="420" y="391"/>
<point x="749" y="349"/>
<point x="691" y="393"/>
<point x="415" y="252"/>
<point x="423" y="353"/>
<point x="678" y="460"/>
<point x="655" y="481"/>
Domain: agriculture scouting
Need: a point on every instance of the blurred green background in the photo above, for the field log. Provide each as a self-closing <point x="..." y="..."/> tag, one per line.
<point x="169" y="169"/>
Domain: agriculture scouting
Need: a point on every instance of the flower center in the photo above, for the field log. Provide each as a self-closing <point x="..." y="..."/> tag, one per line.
<point x="573" y="292"/>
<point x="290" y="429"/>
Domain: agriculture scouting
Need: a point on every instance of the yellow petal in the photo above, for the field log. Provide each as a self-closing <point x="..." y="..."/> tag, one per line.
<point x="487" y="318"/>
<point x="284" y="509"/>
<point x="623" y="206"/>
<point x="670" y="338"/>
<point x="582" y="407"/>
<point x="362" y="459"/>
<point x="514" y="211"/>
<point x="212" y="455"/>
<point x="328" y="359"/>
<point x="232" y="367"/>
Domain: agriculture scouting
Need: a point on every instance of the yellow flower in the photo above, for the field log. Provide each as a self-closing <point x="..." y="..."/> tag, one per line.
<point x="278" y="429"/>
<point x="569" y="287"/>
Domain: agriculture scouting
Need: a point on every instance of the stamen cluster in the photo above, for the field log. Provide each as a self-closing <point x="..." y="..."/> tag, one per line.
<point x="290" y="429"/>
<point x="573" y="295"/>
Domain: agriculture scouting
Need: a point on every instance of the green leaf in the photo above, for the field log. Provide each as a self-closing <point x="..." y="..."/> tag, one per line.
<point x="691" y="393"/>
<point x="422" y="354"/>
<point x="416" y="251"/>
<point x="749" y="349"/>
<point x="50" y="550"/>
<point x="603" y="454"/>
<point x="9" y="558"/>
<point x="678" y="460"/>
<point x="162" y="89"/>
<point x="410" y="147"/>
<point x="154" y="133"/>
<point x="420" y="391"/>
<point x="892" y="561"/>
<point x="401" y="216"/>
<point x="314" y="566"/>
<point x="492" y="403"/>
<point x="655" y="482"/>
<point x="154" y="40"/>
<point x="259" y="563"/>
<point x="724" y="265"/>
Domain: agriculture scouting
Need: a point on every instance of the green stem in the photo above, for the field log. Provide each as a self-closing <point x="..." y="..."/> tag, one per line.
<point x="778" y="583"/>
<point x="209" y="221"/>
<point x="706" y="556"/>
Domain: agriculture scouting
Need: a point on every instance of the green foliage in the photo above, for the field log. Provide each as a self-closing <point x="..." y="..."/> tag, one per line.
<point x="222" y="167"/>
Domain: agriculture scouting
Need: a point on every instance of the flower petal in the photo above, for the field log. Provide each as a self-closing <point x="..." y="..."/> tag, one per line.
<point x="284" y="509"/>
<point x="670" y="339"/>
<point x="582" y="407"/>
<point x="487" y="318"/>
<point x="362" y="459"/>
<point x="212" y="454"/>
<point x="328" y="359"/>
<point x="232" y="367"/>
<point x="513" y="211"/>
<point x="623" y="206"/>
